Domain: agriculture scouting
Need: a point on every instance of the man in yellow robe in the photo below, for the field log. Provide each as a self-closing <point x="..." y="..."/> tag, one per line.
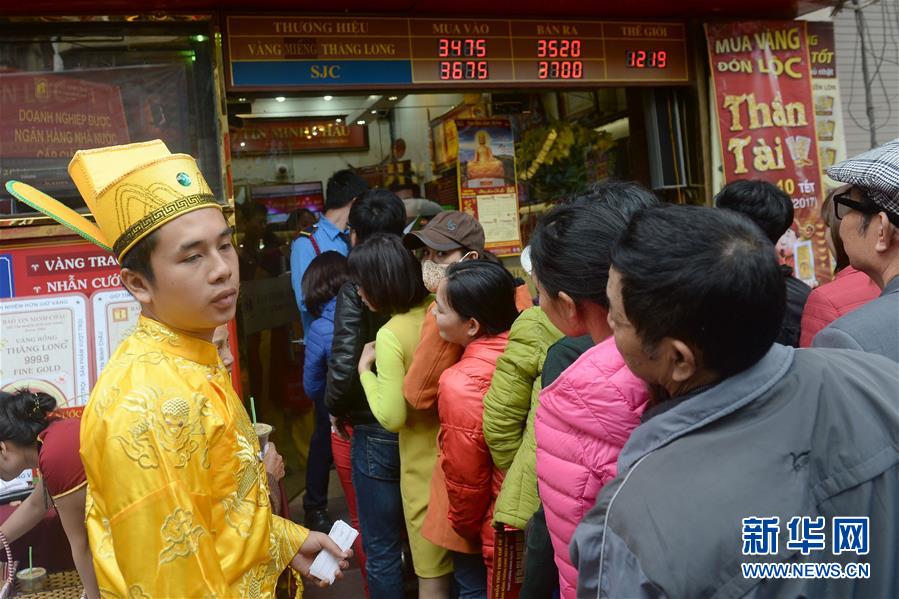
<point x="177" y="501"/>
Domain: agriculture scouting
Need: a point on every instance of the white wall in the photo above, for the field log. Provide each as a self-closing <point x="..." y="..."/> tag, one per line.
<point x="882" y="40"/>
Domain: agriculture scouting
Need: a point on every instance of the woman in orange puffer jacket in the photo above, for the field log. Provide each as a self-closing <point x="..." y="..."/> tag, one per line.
<point x="475" y="309"/>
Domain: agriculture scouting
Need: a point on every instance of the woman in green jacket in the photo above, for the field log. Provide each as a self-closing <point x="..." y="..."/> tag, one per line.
<point x="390" y="282"/>
<point x="509" y="409"/>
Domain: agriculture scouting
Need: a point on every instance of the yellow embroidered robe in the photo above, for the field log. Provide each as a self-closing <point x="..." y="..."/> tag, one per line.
<point x="177" y="500"/>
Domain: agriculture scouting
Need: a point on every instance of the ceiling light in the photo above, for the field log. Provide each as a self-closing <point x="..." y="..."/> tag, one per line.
<point x="241" y="99"/>
<point x="360" y="122"/>
<point x="374" y="112"/>
<point x="393" y="98"/>
<point x="280" y="99"/>
<point x="327" y="98"/>
<point x="243" y="144"/>
<point x="338" y="121"/>
<point x="373" y="97"/>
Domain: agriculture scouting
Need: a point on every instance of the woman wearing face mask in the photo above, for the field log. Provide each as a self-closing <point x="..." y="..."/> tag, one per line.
<point x="449" y="238"/>
<point x="475" y="309"/>
<point x="33" y="436"/>
<point x="389" y="282"/>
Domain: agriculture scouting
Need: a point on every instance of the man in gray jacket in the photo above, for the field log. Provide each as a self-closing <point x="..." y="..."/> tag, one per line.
<point x="759" y="470"/>
<point x="869" y="229"/>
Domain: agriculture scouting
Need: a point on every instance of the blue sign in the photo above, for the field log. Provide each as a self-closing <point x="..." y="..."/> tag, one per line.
<point x="7" y="286"/>
<point x="264" y="73"/>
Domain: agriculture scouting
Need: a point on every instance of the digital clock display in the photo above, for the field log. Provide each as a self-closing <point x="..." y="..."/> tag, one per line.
<point x="646" y="59"/>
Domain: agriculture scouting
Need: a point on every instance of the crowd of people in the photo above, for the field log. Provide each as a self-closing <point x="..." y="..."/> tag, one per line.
<point x="667" y="388"/>
<point x="661" y="336"/>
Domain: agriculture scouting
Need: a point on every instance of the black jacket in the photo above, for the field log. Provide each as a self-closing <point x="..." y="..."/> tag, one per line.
<point x="354" y="326"/>
<point x="797" y="294"/>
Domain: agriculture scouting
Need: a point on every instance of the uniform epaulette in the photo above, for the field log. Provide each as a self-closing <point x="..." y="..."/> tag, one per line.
<point x="307" y="232"/>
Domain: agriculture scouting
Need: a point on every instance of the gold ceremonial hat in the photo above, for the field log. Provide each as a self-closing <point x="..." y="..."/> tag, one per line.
<point x="131" y="190"/>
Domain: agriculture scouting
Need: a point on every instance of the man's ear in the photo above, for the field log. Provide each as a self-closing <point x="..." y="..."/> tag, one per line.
<point x="683" y="361"/>
<point x="137" y="285"/>
<point x="886" y="233"/>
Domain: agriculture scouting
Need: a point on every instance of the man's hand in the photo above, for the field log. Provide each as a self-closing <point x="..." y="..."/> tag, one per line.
<point x="315" y="542"/>
<point x="274" y="463"/>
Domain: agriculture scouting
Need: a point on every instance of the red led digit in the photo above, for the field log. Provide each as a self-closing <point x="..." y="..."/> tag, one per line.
<point x="443" y="48"/>
<point x="541" y="48"/>
<point x="482" y="70"/>
<point x="575" y="48"/>
<point x="481" y="48"/>
<point x="577" y="70"/>
<point x="457" y="71"/>
<point x="564" y="48"/>
<point x="553" y="48"/>
<point x="663" y="59"/>
<point x="456" y="47"/>
<point x="444" y="70"/>
<point x="640" y="62"/>
<point x="542" y="69"/>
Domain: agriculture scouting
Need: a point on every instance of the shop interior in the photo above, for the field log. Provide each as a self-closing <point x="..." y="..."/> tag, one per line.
<point x="281" y="158"/>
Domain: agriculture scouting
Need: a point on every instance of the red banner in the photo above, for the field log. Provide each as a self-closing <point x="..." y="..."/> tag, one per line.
<point x="285" y="136"/>
<point x="48" y="116"/>
<point x="766" y="119"/>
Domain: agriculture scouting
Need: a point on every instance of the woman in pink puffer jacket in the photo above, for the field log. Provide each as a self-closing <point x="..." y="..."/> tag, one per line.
<point x="588" y="413"/>
<point x="583" y="421"/>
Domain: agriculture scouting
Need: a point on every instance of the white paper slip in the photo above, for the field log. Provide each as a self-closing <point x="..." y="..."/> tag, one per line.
<point x="325" y="566"/>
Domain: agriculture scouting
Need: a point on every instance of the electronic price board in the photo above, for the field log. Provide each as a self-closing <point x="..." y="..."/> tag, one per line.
<point x="323" y="53"/>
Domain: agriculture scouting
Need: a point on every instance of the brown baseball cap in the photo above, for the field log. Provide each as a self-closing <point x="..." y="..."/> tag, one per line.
<point x="447" y="231"/>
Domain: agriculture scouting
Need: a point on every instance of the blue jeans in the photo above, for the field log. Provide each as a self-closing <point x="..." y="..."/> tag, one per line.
<point x="470" y="575"/>
<point x="318" y="466"/>
<point x="375" y="456"/>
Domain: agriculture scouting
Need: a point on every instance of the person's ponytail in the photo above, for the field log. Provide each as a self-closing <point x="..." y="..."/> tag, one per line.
<point x="24" y="415"/>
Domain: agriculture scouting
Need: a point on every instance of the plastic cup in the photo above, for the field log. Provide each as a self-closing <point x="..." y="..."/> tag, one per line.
<point x="263" y="430"/>
<point x="32" y="579"/>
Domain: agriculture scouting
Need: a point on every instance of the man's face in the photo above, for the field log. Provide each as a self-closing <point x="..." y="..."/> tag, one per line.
<point x="859" y="245"/>
<point x="196" y="272"/>
<point x="644" y="365"/>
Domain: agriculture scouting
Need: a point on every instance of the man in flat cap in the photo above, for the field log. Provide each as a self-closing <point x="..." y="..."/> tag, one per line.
<point x="869" y="228"/>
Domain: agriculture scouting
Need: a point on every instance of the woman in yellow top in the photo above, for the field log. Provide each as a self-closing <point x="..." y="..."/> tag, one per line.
<point x="390" y="281"/>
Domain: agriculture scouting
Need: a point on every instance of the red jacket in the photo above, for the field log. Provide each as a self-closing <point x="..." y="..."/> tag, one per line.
<point x="850" y="289"/>
<point x="472" y="482"/>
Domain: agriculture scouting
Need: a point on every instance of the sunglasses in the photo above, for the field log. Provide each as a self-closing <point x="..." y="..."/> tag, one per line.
<point x="843" y="203"/>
